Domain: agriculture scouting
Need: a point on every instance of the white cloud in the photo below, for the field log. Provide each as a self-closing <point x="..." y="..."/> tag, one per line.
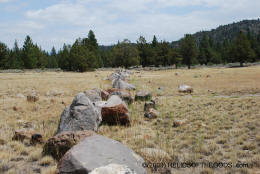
<point x="116" y="19"/>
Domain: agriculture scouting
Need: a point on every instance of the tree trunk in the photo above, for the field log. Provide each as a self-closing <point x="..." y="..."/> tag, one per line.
<point x="189" y="66"/>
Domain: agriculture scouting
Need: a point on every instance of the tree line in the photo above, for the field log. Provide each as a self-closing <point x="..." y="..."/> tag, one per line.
<point x="86" y="55"/>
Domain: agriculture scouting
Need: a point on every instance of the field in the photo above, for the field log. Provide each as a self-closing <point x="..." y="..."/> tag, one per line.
<point x="222" y="117"/>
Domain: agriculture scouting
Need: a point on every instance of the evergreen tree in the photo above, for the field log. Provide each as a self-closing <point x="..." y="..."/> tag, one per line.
<point x="64" y="58"/>
<point x="242" y="50"/>
<point x="78" y="57"/>
<point x="52" y="59"/>
<point x="155" y="41"/>
<point x="29" y="54"/>
<point x="189" y="50"/>
<point x="125" y="54"/>
<point x="3" y="55"/>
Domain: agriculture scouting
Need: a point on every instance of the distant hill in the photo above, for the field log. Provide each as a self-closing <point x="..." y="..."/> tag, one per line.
<point x="228" y="32"/>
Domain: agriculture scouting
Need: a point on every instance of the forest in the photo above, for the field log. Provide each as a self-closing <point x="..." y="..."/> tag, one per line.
<point x="237" y="42"/>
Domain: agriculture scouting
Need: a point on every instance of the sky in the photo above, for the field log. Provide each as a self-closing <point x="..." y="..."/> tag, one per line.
<point x="55" y="22"/>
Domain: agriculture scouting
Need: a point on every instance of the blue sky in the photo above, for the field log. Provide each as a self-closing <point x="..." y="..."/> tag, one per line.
<point x="52" y="22"/>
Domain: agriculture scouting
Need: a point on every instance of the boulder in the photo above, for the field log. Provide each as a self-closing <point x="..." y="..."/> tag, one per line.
<point x="185" y="89"/>
<point x="117" y="75"/>
<point x="125" y="95"/>
<point x="33" y="97"/>
<point x="148" y="105"/>
<point x="59" y="144"/>
<point x="143" y="96"/>
<point x="113" y="169"/>
<point x="152" y="113"/>
<point x="120" y="84"/>
<point x="80" y="115"/>
<point x="54" y="92"/>
<point x="93" y="94"/>
<point x="115" y="112"/>
<point x="97" y="151"/>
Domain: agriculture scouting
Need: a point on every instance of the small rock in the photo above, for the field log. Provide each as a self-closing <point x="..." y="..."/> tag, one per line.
<point x="115" y="112"/>
<point x="59" y="144"/>
<point x="143" y="96"/>
<point x="208" y="76"/>
<point x="2" y="142"/>
<point x="113" y="169"/>
<point x="33" y="97"/>
<point x="36" y="139"/>
<point x="152" y="113"/>
<point x="177" y="123"/>
<point x="148" y="105"/>
<point x="185" y="89"/>
<point x="20" y="95"/>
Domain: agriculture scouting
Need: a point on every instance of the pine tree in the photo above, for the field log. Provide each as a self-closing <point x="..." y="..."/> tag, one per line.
<point x="189" y="50"/>
<point x="3" y="56"/>
<point x="242" y="50"/>
<point x="52" y="59"/>
<point x="29" y="54"/>
<point x="64" y="58"/>
<point x="125" y="54"/>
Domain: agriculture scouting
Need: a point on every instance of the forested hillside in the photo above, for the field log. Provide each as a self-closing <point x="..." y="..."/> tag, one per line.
<point x="237" y="42"/>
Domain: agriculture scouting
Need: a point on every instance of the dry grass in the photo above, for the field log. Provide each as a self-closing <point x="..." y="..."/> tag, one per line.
<point x="223" y="116"/>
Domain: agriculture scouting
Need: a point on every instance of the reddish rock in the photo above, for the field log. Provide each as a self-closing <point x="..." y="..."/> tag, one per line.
<point x="125" y="95"/>
<point x="104" y="94"/>
<point x="115" y="112"/>
<point x="59" y="144"/>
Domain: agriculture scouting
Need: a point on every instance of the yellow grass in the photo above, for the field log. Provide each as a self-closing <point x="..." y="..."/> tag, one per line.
<point x="223" y="116"/>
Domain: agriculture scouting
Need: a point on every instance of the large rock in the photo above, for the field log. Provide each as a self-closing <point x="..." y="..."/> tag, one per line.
<point x="115" y="112"/>
<point x="143" y="96"/>
<point x="80" y="115"/>
<point x="185" y="89"/>
<point x="113" y="169"/>
<point x="125" y="95"/>
<point x="117" y="75"/>
<point x="59" y="144"/>
<point x="94" y="94"/>
<point x="97" y="151"/>
<point x="120" y="84"/>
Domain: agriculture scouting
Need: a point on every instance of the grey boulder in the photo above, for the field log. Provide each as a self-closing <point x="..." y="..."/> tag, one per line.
<point x="97" y="151"/>
<point x="80" y="115"/>
<point x="94" y="94"/>
<point x="120" y="84"/>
